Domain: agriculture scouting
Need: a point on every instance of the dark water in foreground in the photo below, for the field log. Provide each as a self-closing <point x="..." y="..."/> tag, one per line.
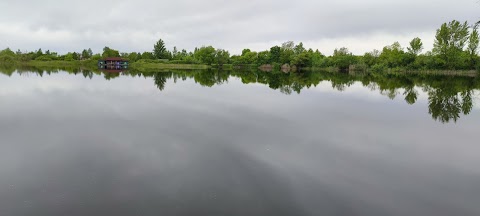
<point x="238" y="143"/>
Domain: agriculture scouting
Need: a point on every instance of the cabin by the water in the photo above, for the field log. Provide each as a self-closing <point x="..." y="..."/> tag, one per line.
<point x="113" y="63"/>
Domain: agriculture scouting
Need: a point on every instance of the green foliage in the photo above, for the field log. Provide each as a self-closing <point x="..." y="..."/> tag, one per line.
<point x="318" y="59"/>
<point x="190" y="59"/>
<point x="8" y="52"/>
<point x="96" y="57"/>
<point x="393" y="56"/>
<point x="472" y="48"/>
<point x="187" y="60"/>
<point x="69" y="57"/>
<point x="416" y="46"/>
<point x="90" y="52"/>
<point x="44" y="58"/>
<point x="147" y="55"/>
<point x="286" y="56"/>
<point x="428" y="61"/>
<point x="75" y="56"/>
<point x="450" y="41"/>
<point x="7" y="56"/>
<point x="182" y="55"/>
<point x="6" y="59"/>
<point x="302" y="59"/>
<point x="133" y="57"/>
<point x="245" y="51"/>
<point x="87" y="54"/>
<point x="107" y="52"/>
<point x="275" y="54"/>
<point x="379" y="68"/>
<point x="371" y="58"/>
<point x="159" y="50"/>
<point x="222" y="57"/>
<point x="287" y="52"/>
<point x="206" y="55"/>
<point x="247" y="57"/>
<point x="263" y="58"/>
<point x="39" y="52"/>
<point x="299" y="49"/>
<point x="342" y="58"/>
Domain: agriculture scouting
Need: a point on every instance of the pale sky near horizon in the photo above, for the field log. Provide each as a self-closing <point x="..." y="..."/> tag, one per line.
<point x="135" y="25"/>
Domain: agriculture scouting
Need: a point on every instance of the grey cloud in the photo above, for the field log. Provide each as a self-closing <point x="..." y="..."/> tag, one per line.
<point x="135" y="25"/>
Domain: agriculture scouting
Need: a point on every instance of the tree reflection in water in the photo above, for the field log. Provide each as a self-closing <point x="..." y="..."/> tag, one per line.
<point x="448" y="96"/>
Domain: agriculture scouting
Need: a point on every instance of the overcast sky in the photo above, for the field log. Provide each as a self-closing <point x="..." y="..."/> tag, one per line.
<point x="135" y="25"/>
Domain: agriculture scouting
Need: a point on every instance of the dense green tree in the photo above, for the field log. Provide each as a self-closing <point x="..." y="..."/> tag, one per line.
<point x="318" y="59"/>
<point x="298" y="49"/>
<point x="175" y="54"/>
<point x="393" y="56"/>
<point x="222" y="57"/>
<point x="248" y="58"/>
<point x="96" y="57"/>
<point x="107" y="52"/>
<point x="206" y="55"/>
<point x="245" y="51"/>
<point x="263" y="58"/>
<point x="287" y="52"/>
<point x="416" y="46"/>
<point x="90" y="52"/>
<point x="342" y="58"/>
<point x="39" y="52"/>
<point x="159" y="50"/>
<point x="286" y="56"/>
<point x="133" y="56"/>
<point x="235" y="59"/>
<point x="7" y="57"/>
<point x="303" y="59"/>
<point x="371" y="58"/>
<point x="147" y="55"/>
<point x="429" y="61"/>
<point x="75" y="56"/>
<point x="450" y="40"/>
<point x="275" y="54"/>
<point x="472" y="48"/>
<point x="69" y="57"/>
<point x="85" y="54"/>
<point x="8" y="52"/>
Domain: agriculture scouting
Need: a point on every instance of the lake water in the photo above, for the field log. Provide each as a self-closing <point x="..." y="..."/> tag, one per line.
<point x="237" y="143"/>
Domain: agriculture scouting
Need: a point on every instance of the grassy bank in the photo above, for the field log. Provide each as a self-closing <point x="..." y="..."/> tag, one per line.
<point x="390" y="71"/>
<point x="471" y="73"/>
<point x="92" y="64"/>
<point x="145" y="66"/>
<point x="158" y="66"/>
<point x="89" y="64"/>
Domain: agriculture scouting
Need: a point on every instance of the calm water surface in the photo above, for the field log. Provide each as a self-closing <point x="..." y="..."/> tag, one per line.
<point x="237" y="143"/>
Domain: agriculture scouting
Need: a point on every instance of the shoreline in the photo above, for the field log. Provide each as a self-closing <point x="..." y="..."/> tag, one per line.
<point x="151" y="67"/>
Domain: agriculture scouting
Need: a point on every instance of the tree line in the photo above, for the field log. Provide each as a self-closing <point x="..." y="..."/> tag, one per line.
<point x="455" y="48"/>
